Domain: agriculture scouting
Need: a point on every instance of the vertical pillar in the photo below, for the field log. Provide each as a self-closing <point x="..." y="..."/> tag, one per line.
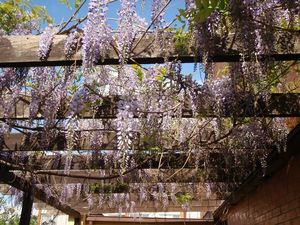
<point x="26" y="208"/>
<point x="39" y="217"/>
<point x="77" y="221"/>
<point x="83" y="219"/>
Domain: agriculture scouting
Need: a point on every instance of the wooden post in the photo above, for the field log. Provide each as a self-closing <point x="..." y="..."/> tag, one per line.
<point x="26" y="208"/>
<point x="77" y="221"/>
<point x="83" y="219"/>
<point x="39" y="217"/>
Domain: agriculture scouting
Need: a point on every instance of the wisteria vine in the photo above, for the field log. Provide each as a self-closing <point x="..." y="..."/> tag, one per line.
<point x="143" y="128"/>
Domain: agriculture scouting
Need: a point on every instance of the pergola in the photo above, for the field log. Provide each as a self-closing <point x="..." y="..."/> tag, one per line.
<point x="49" y="169"/>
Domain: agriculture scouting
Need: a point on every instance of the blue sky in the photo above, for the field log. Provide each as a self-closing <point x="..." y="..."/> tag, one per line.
<point x="61" y="13"/>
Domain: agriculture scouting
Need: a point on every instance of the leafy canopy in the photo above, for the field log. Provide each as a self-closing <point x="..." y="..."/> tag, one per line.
<point x="15" y="12"/>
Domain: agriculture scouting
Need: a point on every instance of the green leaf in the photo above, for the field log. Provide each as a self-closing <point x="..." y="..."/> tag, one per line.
<point x="222" y="5"/>
<point x="214" y="4"/>
<point x="66" y="2"/>
<point x="199" y="4"/>
<point x="183" y="198"/>
<point x="155" y="149"/>
<point x="139" y="72"/>
<point x="206" y="4"/>
<point x="14" y="12"/>
<point x="77" y="3"/>
<point x="182" y="12"/>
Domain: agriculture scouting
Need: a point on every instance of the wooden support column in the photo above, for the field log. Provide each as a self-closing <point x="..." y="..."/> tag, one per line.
<point x="83" y="219"/>
<point x="39" y="217"/>
<point x="26" y="208"/>
<point x="77" y="221"/>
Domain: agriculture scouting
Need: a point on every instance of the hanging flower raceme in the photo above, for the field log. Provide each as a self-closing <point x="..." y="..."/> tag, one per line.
<point x="157" y="15"/>
<point x="79" y="100"/>
<point x="97" y="34"/>
<point x="41" y="91"/>
<point x="127" y="31"/>
<point x="142" y="193"/>
<point x="3" y="128"/>
<point x="72" y="44"/>
<point x="97" y="135"/>
<point x="124" y="125"/>
<point x="218" y="92"/>
<point x="12" y="77"/>
<point x="46" y="42"/>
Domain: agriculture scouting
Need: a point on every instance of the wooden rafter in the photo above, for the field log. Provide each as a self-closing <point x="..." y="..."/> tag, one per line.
<point x="271" y="105"/>
<point x="11" y="179"/>
<point x="21" y="51"/>
<point x="126" y="220"/>
<point x="149" y="206"/>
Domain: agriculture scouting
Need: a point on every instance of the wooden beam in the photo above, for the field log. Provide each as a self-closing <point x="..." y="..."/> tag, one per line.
<point x="15" y="142"/>
<point x="127" y="220"/>
<point x="171" y="162"/>
<point x="81" y="205"/>
<point x="182" y="177"/>
<point x="21" y="51"/>
<point x="149" y="206"/>
<point x="246" y="105"/>
<point x="26" y="208"/>
<point x="11" y="179"/>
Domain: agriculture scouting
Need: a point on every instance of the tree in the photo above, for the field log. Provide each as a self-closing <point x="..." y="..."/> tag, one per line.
<point x="21" y="16"/>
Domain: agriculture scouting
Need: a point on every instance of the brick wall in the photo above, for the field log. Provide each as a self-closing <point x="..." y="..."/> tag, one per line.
<point x="275" y="201"/>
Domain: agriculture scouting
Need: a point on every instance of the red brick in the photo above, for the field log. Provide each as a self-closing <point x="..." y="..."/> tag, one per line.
<point x="276" y="212"/>
<point x="276" y="201"/>
<point x="295" y="221"/>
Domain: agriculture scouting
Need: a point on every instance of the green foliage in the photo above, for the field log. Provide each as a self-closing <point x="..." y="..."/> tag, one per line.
<point x="278" y="71"/>
<point x="183" y="198"/>
<point x="77" y="3"/>
<point x="121" y="187"/>
<point x="68" y="4"/>
<point x="182" y="39"/>
<point x="162" y="72"/>
<point x="15" y="12"/>
<point x="65" y="2"/>
<point x="139" y="72"/>
<point x="9" y="215"/>
<point x="15" y="221"/>
<point x="203" y="9"/>
<point x="118" y="187"/>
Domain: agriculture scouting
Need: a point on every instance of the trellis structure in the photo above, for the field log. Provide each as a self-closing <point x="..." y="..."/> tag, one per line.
<point x="50" y="155"/>
<point x="14" y="53"/>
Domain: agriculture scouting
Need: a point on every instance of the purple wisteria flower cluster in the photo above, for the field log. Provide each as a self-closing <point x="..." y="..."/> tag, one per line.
<point x="148" y="133"/>
<point x="157" y="15"/>
<point x="46" y="42"/>
<point x="72" y="43"/>
<point x="127" y="31"/>
<point x="97" y="34"/>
